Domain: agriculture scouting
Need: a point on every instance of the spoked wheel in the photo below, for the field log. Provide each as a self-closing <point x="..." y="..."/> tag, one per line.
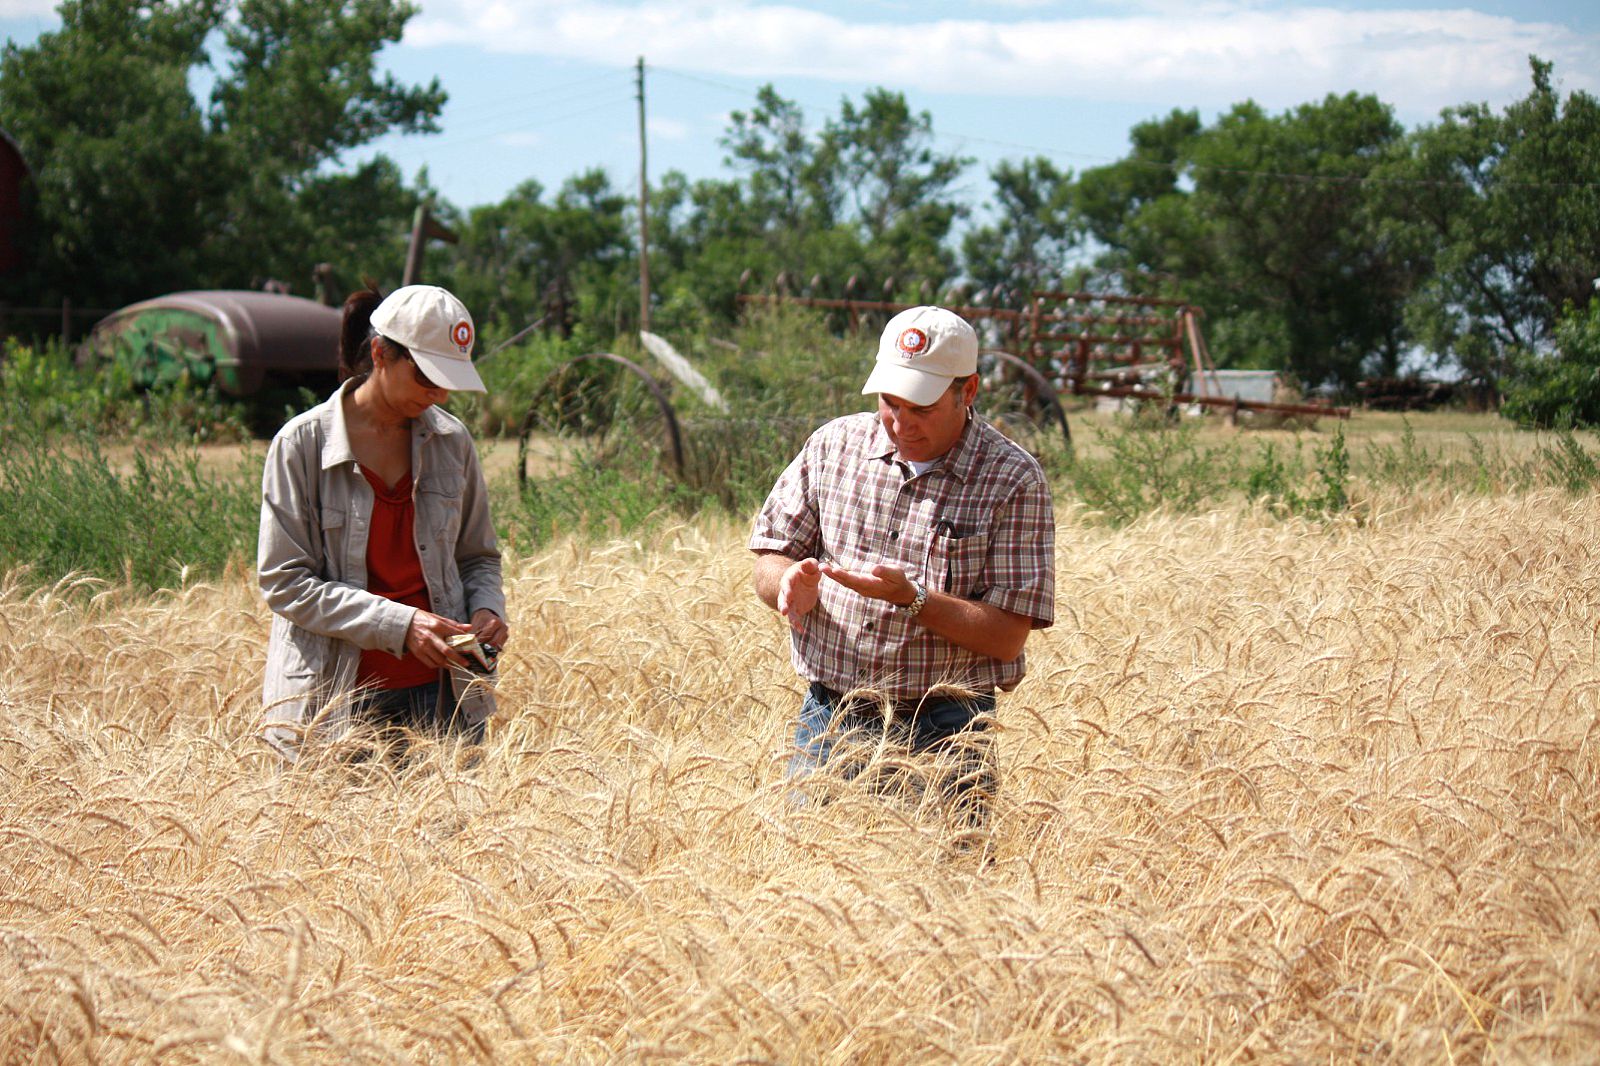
<point x="1020" y="401"/>
<point x="596" y="413"/>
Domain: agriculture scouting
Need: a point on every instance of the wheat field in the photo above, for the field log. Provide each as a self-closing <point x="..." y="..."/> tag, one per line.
<point x="1271" y="792"/>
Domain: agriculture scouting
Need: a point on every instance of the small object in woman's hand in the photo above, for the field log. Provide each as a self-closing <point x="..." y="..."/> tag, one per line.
<point x="481" y="658"/>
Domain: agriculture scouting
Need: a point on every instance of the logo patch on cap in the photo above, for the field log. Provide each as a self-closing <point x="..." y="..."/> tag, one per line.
<point x="461" y="333"/>
<point x="911" y="343"/>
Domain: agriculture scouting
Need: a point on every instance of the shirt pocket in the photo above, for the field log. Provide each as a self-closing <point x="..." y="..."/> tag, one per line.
<point x="335" y="541"/>
<point x="439" y="510"/>
<point x="956" y="564"/>
<point x="298" y="658"/>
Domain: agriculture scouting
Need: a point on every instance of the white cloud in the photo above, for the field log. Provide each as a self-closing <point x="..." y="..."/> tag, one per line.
<point x="669" y="129"/>
<point x="519" y="139"/>
<point x="1204" y="53"/>
<point x="28" y="9"/>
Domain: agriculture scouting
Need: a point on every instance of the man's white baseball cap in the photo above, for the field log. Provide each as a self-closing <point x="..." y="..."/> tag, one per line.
<point x="921" y="351"/>
<point x="436" y="329"/>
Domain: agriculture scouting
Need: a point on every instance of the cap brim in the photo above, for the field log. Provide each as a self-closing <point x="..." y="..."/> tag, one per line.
<point x="913" y="386"/>
<point x="453" y="373"/>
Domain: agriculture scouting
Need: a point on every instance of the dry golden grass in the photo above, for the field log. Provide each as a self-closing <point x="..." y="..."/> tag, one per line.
<point x="1271" y="792"/>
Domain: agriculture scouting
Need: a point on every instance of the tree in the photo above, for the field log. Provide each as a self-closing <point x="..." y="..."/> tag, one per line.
<point x="103" y="111"/>
<point x="882" y="155"/>
<point x="1262" y="220"/>
<point x="525" y="257"/>
<point x="1108" y="198"/>
<point x="1505" y="211"/>
<point x="299" y="89"/>
<point x="867" y="198"/>
<point x="791" y="189"/>
<point x="142" y="189"/>
<point x="1560" y="387"/>
<point x="1292" y="259"/>
<point x="1035" y="229"/>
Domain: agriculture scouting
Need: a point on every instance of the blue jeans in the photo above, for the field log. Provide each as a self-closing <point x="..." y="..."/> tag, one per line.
<point x="415" y="708"/>
<point x="938" y="725"/>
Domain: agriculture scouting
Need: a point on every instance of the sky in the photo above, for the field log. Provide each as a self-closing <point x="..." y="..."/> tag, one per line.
<point x="544" y="89"/>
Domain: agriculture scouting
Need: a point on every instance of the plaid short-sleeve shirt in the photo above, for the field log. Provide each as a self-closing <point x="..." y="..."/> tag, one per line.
<point x="979" y="525"/>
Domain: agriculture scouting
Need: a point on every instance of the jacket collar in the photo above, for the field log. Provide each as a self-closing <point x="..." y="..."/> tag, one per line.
<point x="336" y="448"/>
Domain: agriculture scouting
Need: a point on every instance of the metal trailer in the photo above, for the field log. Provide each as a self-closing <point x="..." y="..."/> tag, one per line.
<point x="1089" y="344"/>
<point x="241" y="340"/>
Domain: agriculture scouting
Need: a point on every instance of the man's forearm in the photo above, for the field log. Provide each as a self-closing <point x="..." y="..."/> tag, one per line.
<point x="981" y="628"/>
<point x="768" y="575"/>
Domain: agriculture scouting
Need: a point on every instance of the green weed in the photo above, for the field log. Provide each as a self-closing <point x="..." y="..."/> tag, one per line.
<point x="42" y="392"/>
<point x="1568" y="464"/>
<point x="1153" y="463"/>
<point x="64" y="509"/>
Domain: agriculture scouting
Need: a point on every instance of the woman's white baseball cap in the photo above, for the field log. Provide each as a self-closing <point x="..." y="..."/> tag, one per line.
<point x="921" y="351"/>
<point x="436" y="329"/>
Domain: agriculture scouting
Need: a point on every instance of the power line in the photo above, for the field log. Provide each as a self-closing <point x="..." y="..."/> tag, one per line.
<point x="1349" y="179"/>
<point x="451" y="141"/>
<point x="511" y="114"/>
<point x="518" y="105"/>
<point x="742" y="93"/>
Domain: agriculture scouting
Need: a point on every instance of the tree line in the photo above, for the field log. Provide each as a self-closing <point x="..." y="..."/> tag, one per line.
<point x="199" y="143"/>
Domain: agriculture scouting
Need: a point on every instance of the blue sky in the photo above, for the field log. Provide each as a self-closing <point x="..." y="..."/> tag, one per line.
<point x="543" y="89"/>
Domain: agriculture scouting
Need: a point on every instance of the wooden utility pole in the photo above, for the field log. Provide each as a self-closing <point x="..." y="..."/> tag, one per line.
<point x="644" y="213"/>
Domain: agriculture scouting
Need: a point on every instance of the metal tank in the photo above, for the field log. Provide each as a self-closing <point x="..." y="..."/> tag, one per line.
<point x="241" y="340"/>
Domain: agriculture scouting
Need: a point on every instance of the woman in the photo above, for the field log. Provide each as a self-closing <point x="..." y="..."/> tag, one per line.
<point x="375" y="535"/>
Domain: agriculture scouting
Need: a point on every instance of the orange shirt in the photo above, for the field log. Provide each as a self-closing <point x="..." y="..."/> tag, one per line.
<point x="394" y="571"/>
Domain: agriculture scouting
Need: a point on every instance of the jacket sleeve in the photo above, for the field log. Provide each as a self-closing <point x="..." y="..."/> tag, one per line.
<point x="477" y="551"/>
<point x="290" y="556"/>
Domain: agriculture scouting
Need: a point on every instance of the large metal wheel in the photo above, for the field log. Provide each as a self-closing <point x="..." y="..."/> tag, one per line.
<point x="1020" y="401"/>
<point x="597" y="412"/>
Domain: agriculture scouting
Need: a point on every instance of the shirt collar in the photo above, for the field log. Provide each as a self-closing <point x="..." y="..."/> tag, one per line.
<point x="878" y="445"/>
<point x="962" y="459"/>
<point x="958" y="462"/>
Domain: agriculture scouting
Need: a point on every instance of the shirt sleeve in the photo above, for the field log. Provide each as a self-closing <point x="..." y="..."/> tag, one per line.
<point x="787" y="523"/>
<point x="1020" y="571"/>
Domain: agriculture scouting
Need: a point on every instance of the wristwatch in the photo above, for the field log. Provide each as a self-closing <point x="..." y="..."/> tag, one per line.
<point x="912" y="609"/>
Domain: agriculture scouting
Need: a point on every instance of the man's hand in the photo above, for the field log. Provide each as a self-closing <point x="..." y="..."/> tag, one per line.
<point x="798" y="590"/>
<point x="882" y="582"/>
<point x="490" y="628"/>
<point x="427" y="636"/>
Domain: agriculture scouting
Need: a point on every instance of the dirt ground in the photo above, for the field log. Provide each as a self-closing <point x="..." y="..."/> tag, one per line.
<point x="499" y="457"/>
<point x="1434" y="430"/>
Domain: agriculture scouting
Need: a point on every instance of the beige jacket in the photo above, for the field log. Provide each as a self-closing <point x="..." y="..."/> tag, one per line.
<point x="312" y="563"/>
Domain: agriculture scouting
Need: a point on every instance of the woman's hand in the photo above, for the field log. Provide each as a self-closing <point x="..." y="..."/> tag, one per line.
<point x="490" y="628"/>
<point x="427" y="637"/>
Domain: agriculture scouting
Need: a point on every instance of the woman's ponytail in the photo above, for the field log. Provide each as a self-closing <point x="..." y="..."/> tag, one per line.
<point x="355" y="333"/>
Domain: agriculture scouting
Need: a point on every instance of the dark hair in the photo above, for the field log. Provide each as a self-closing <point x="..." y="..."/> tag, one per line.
<point x="355" y="335"/>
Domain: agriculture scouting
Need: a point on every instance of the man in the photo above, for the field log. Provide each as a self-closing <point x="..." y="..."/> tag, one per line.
<point x="911" y="551"/>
